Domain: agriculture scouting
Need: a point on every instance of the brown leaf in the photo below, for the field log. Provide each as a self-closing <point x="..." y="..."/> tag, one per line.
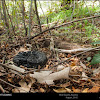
<point x="74" y="61"/>
<point x="94" y="89"/>
<point x="60" y="67"/>
<point x="62" y="90"/>
<point x="69" y="55"/>
<point x="24" y="87"/>
<point x="47" y="66"/>
<point x="73" y="64"/>
<point x="65" y="85"/>
<point x="10" y="80"/>
<point x="83" y="65"/>
<point x="48" y="77"/>
<point x="96" y="71"/>
<point x="15" y="90"/>
<point x="76" y="68"/>
<point x="85" y="77"/>
<point x="85" y="90"/>
<point x="9" y="75"/>
<point x="42" y="90"/>
<point x="76" y="90"/>
<point x="21" y="50"/>
<point x="68" y="90"/>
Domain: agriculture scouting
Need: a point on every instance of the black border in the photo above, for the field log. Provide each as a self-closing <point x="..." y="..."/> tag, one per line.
<point x="66" y="96"/>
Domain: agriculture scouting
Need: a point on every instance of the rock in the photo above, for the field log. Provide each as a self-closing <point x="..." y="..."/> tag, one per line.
<point x="30" y="59"/>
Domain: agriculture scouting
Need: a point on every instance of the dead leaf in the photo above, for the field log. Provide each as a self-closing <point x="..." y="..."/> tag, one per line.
<point x="74" y="61"/>
<point x="65" y="85"/>
<point x="76" y="68"/>
<point x="25" y="88"/>
<point x="62" y="90"/>
<point x="69" y="55"/>
<point x="62" y="55"/>
<point x="10" y="80"/>
<point x="32" y="80"/>
<point x="68" y="90"/>
<point x="96" y="71"/>
<point x="83" y="65"/>
<point x="42" y="90"/>
<point x="40" y="76"/>
<point x="85" y="90"/>
<point x="48" y="77"/>
<point x="94" y="89"/>
<point x="60" y="67"/>
<point x="76" y="90"/>
<point x="47" y="66"/>
<point x="73" y="64"/>
<point x="21" y="50"/>
<point x="85" y="77"/>
<point x="15" y="90"/>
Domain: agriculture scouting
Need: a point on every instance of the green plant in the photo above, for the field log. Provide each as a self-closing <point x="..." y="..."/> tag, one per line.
<point x="96" y="59"/>
<point x="85" y="22"/>
<point x="94" y="43"/>
<point x="96" y="38"/>
<point x="80" y="25"/>
<point x="88" y="58"/>
<point x="88" y="30"/>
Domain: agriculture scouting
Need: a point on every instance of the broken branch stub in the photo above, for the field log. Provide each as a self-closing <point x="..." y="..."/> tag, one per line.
<point x="48" y="77"/>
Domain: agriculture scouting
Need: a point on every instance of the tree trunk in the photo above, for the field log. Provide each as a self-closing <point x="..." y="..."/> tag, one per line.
<point x="23" y="14"/>
<point x="38" y="19"/>
<point x="29" y="34"/>
<point x="4" y="12"/>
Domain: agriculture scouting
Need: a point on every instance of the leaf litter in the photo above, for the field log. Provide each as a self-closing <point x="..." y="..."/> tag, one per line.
<point x="73" y="76"/>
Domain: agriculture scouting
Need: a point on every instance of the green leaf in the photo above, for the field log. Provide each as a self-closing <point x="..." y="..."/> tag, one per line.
<point x="94" y="43"/>
<point x="88" y="58"/>
<point x="96" y="59"/>
<point x="99" y="52"/>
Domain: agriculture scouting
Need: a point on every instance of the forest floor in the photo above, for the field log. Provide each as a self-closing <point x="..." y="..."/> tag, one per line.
<point x="79" y="76"/>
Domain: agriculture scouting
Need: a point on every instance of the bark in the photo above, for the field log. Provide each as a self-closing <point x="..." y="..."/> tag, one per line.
<point x="30" y="19"/>
<point x="5" y="15"/>
<point x="23" y="14"/>
<point x="38" y="19"/>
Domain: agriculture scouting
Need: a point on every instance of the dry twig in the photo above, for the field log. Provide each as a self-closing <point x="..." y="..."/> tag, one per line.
<point x="76" y="55"/>
<point x="73" y="50"/>
<point x="13" y="67"/>
<point x="2" y="90"/>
